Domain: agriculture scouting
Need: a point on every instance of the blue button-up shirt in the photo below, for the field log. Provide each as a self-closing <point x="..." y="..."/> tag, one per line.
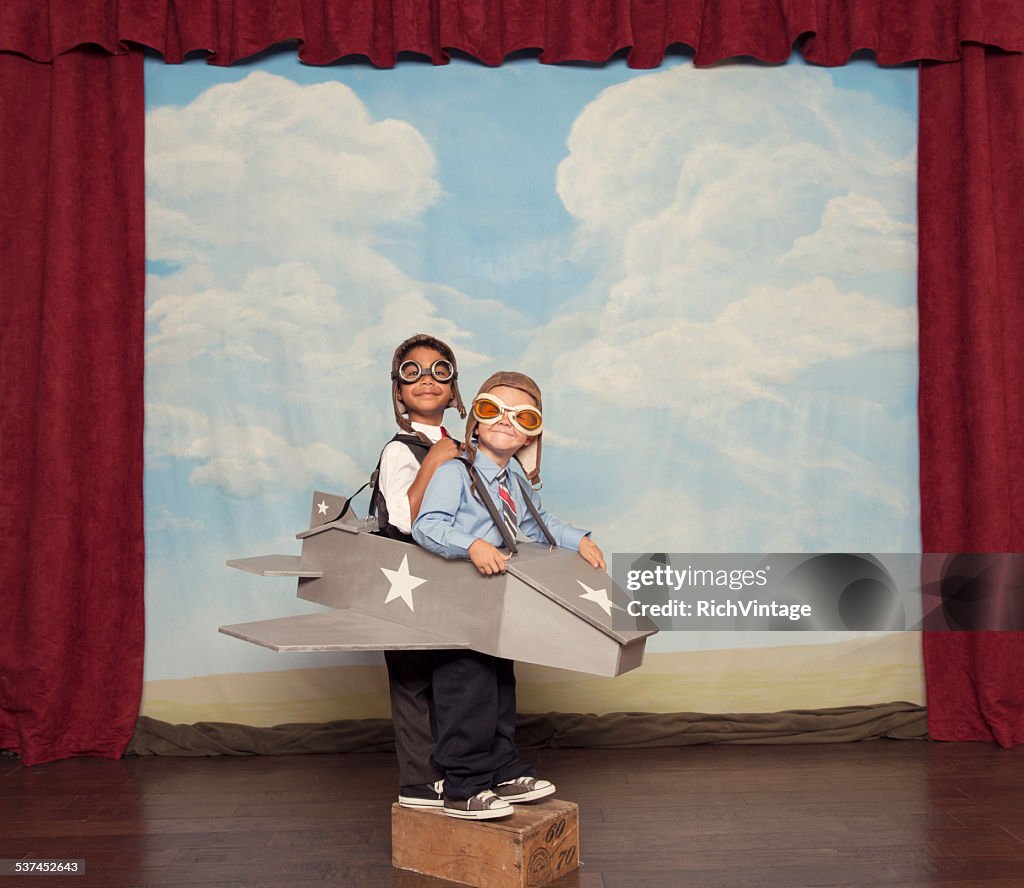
<point x="451" y="518"/>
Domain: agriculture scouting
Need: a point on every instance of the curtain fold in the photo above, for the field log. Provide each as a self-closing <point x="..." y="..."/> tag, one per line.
<point x="830" y="31"/>
<point x="72" y="259"/>
<point x="971" y="305"/>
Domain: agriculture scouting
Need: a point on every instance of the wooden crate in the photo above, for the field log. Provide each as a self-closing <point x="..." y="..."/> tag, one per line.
<point x="539" y="843"/>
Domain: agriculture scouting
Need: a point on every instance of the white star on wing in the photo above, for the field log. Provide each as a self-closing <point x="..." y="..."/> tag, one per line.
<point x="321" y="507"/>
<point x="402" y="583"/>
<point x="599" y="597"/>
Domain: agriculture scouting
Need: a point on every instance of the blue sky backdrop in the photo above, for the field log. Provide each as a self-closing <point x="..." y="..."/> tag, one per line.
<point x="711" y="274"/>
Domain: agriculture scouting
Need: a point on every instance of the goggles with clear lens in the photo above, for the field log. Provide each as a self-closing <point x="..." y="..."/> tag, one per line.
<point x="410" y="371"/>
<point x="488" y="409"/>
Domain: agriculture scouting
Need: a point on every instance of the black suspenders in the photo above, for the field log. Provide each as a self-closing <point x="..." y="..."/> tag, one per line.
<point x="492" y="510"/>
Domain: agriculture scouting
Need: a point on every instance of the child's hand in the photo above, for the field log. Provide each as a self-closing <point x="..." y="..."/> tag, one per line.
<point x="487" y="558"/>
<point x="590" y="553"/>
<point x="441" y="452"/>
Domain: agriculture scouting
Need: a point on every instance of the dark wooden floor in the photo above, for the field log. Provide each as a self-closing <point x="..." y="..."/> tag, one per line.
<point x="880" y="813"/>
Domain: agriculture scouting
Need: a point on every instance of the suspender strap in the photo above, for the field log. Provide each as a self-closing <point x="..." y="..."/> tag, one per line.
<point x="418" y="447"/>
<point x="534" y="512"/>
<point x="492" y="510"/>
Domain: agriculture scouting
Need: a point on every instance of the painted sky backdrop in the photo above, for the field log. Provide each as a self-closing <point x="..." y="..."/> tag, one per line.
<point x="710" y="272"/>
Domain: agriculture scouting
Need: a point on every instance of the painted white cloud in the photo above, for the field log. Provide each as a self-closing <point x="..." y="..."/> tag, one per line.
<point x="270" y="167"/>
<point x="757" y="344"/>
<point x="280" y="302"/>
<point x="272" y="200"/>
<point x="858" y="235"/>
<point x="676" y="519"/>
<point x="309" y="180"/>
<point x="163" y="520"/>
<point x="242" y="460"/>
<point x="719" y="138"/>
<point x="694" y="182"/>
<point x="728" y="213"/>
<point x="710" y="195"/>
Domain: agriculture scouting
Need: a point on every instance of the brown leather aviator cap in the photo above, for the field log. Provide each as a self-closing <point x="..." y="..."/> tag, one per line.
<point x="400" y="353"/>
<point x="529" y="454"/>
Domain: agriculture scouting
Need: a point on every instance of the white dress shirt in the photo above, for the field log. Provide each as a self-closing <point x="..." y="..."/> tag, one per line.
<point x="398" y="469"/>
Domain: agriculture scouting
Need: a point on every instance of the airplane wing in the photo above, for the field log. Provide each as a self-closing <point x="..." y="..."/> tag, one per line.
<point x="275" y="566"/>
<point x="591" y="595"/>
<point x="339" y="630"/>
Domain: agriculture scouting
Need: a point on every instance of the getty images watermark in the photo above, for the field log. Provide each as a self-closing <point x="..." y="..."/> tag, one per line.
<point x="823" y="591"/>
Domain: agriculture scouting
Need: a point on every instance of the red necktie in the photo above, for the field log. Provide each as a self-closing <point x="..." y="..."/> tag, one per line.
<point x="508" y="507"/>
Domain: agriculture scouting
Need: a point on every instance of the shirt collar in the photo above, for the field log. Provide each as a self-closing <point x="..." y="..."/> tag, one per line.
<point x="487" y="468"/>
<point x="431" y="431"/>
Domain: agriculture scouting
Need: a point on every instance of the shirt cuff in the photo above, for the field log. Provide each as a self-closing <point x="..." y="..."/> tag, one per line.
<point x="572" y="537"/>
<point x="458" y="543"/>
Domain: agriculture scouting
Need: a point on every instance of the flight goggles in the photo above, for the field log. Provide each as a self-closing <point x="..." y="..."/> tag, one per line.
<point x="488" y="409"/>
<point x="410" y="371"/>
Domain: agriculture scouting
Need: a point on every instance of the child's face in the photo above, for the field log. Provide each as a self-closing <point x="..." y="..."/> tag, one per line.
<point x="426" y="399"/>
<point x="501" y="440"/>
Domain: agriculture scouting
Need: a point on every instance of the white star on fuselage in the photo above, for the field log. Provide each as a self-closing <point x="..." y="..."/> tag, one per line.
<point x="599" y="597"/>
<point x="321" y="507"/>
<point x="402" y="583"/>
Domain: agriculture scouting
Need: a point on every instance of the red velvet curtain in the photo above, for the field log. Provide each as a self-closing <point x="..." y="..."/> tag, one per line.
<point x="563" y="30"/>
<point x="971" y="304"/>
<point x="72" y="254"/>
<point x="72" y="259"/>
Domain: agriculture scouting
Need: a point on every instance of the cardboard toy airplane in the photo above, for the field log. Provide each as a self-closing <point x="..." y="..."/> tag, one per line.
<point x="550" y="607"/>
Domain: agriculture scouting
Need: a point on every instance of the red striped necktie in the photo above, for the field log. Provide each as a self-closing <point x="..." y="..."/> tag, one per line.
<point x="508" y="506"/>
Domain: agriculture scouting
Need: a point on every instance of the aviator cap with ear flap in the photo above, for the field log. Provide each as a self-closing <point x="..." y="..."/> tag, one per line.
<point x="438" y="345"/>
<point x="529" y="454"/>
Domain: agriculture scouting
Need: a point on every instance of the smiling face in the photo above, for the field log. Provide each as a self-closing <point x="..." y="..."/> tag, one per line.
<point x="426" y="399"/>
<point x="501" y="440"/>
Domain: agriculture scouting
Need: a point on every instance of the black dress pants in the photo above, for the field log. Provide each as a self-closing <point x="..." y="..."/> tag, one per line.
<point x="475" y="711"/>
<point x="410" y="675"/>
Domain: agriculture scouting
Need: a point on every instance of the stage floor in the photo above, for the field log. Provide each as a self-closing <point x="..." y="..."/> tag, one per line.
<point x="885" y="812"/>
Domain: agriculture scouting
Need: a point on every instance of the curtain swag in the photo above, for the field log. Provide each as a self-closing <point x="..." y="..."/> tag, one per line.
<point x="826" y="32"/>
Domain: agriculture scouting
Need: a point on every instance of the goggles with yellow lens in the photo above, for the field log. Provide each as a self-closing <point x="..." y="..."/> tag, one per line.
<point x="410" y="371"/>
<point x="488" y="409"/>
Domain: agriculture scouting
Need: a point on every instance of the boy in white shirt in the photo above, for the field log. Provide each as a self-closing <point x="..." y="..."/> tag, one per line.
<point x="424" y="384"/>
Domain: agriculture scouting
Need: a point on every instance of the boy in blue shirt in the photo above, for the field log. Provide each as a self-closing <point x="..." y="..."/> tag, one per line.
<point x="474" y="693"/>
